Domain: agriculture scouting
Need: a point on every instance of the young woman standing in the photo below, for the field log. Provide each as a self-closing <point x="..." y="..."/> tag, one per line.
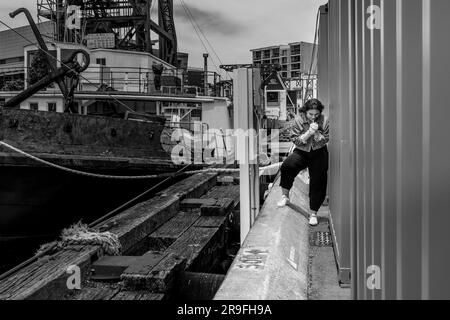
<point x="310" y="134"/>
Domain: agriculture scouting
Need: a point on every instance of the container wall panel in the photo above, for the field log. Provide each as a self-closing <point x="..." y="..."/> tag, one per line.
<point x="387" y="74"/>
<point x="322" y="56"/>
<point x="335" y="132"/>
<point x="388" y="147"/>
<point x="358" y="147"/>
<point x="375" y="174"/>
<point x="436" y="154"/>
<point x="351" y="188"/>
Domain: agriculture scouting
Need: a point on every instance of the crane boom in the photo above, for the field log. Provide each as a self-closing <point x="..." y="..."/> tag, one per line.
<point x="129" y="22"/>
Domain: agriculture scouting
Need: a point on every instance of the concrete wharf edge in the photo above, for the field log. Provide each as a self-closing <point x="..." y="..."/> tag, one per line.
<point x="272" y="263"/>
<point x="46" y="278"/>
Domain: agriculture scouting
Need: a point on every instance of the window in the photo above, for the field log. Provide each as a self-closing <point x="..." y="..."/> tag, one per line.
<point x="295" y="59"/>
<point x="51" y="106"/>
<point x="34" y="106"/>
<point x="196" y="113"/>
<point x="101" y="61"/>
<point x="296" y="66"/>
<point x="273" y="97"/>
<point x="82" y="110"/>
<point x="284" y="52"/>
<point x="275" y="52"/>
<point x="284" y="74"/>
<point x="295" y="74"/>
<point x="12" y="60"/>
<point x="295" y="49"/>
<point x="76" y="105"/>
<point x="284" y="60"/>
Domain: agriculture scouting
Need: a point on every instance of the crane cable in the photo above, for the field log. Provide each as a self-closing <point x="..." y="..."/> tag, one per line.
<point x="206" y="38"/>
<point x="195" y="26"/>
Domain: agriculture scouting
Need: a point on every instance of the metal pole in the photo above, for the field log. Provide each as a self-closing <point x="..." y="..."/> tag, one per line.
<point x="215" y="84"/>
<point x="148" y="40"/>
<point x="140" y="80"/>
<point x="205" y="73"/>
<point x="246" y="146"/>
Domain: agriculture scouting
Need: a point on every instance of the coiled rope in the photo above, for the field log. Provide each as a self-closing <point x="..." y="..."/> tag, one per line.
<point x="81" y="234"/>
<point x="103" y="176"/>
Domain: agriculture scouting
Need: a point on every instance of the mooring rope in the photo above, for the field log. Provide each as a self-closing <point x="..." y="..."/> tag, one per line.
<point x="81" y="234"/>
<point x="103" y="176"/>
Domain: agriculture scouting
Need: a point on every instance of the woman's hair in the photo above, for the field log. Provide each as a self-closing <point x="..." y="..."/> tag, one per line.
<point x="312" y="104"/>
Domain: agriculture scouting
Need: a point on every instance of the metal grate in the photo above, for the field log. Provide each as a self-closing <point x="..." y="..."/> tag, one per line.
<point x="321" y="239"/>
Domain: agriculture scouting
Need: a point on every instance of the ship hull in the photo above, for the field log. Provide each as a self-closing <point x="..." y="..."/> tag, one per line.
<point x="37" y="200"/>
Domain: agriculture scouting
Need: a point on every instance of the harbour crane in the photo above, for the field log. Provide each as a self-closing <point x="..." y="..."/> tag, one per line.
<point x="129" y="21"/>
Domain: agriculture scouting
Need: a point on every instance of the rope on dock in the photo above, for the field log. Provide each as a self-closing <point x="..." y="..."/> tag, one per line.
<point x="81" y="234"/>
<point x="102" y="176"/>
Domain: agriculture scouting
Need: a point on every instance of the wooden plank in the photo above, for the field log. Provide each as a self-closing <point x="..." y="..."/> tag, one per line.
<point x="167" y="234"/>
<point x="198" y="246"/>
<point x="225" y="180"/>
<point x="228" y="180"/>
<point x="196" y="203"/>
<point x="211" y="221"/>
<point x="108" y="291"/>
<point x="135" y="224"/>
<point x="192" y="187"/>
<point x="138" y="295"/>
<point x="143" y="265"/>
<point x="95" y="291"/>
<point x="158" y="278"/>
<point x="110" y="268"/>
<point x="198" y="286"/>
<point x="46" y="278"/>
<point x="221" y="207"/>
<point x="219" y="192"/>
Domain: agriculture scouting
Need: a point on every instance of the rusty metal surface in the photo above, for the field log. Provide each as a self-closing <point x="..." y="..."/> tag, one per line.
<point x="71" y="134"/>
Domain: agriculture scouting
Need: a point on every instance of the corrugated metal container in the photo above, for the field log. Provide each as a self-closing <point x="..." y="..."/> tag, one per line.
<point x="384" y="71"/>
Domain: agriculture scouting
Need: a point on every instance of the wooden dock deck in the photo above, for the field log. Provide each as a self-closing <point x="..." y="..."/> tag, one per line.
<point x="175" y="240"/>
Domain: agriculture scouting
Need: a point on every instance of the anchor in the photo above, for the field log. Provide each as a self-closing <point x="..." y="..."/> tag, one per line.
<point x="67" y="76"/>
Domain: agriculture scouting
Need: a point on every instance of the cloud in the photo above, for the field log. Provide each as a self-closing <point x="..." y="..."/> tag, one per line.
<point x="210" y="20"/>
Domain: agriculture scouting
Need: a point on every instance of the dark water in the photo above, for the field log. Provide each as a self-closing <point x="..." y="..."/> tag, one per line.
<point x="37" y="203"/>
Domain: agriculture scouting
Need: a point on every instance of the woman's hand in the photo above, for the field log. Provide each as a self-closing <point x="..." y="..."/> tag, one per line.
<point x="314" y="127"/>
<point x="318" y="137"/>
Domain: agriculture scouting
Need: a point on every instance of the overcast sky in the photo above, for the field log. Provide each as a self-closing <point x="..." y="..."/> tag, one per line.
<point x="232" y="27"/>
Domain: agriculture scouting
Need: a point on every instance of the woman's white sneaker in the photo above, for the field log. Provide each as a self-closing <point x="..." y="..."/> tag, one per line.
<point x="283" y="202"/>
<point x="313" y="220"/>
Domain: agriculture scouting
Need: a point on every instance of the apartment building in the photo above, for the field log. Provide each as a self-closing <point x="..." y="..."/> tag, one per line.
<point x="294" y="58"/>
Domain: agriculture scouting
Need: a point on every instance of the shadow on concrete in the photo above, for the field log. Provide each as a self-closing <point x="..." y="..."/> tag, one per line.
<point x="299" y="210"/>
